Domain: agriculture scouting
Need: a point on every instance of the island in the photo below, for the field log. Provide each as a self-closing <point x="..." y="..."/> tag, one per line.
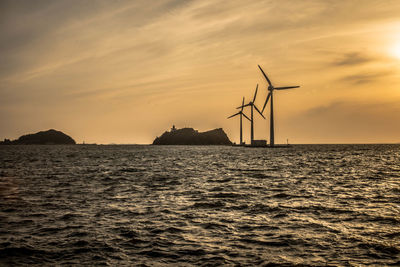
<point x="189" y="136"/>
<point x="50" y="137"/>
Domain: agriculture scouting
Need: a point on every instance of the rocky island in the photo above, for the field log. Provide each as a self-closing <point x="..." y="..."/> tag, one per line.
<point x="189" y="136"/>
<point x="50" y="137"/>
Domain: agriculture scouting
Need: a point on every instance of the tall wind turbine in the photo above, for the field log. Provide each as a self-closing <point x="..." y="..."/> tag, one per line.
<point x="271" y="89"/>
<point x="252" y="105"/>
<point x="241" y="114"/>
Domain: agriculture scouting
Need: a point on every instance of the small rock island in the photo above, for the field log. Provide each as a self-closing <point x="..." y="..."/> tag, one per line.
<point x="189" y="136"/>
<point x="50" y="137"/>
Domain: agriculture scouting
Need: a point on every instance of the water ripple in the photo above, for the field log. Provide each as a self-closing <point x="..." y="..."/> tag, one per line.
<point x="146" y="205"/>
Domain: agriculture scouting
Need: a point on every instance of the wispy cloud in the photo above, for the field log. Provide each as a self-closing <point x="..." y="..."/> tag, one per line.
<point x="353" y="58"/>
<point x="368" y="77"/>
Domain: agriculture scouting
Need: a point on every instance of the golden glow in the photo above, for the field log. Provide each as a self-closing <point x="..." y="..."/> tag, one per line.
<point x="126" y="71"/>
<point x="395" y="51"/>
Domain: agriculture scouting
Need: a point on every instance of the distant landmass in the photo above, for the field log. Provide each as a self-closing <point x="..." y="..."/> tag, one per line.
<point x="189" y="136"/>
<point x="50" y="137"/>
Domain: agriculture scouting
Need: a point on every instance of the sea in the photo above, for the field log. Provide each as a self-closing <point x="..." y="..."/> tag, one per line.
<point x="143" y="205"/>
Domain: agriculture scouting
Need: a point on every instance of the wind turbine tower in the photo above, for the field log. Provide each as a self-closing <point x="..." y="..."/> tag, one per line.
<point x="240" y="113"/>
<point x="253" y="106"/>
<point x="271" y="89"/>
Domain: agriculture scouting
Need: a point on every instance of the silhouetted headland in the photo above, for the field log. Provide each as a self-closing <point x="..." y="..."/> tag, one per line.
<point x="189" y="136"/>
<point x="50" y="137"/>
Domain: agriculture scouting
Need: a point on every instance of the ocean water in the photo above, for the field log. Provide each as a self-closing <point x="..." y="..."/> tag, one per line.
<point x="335" y="205"/>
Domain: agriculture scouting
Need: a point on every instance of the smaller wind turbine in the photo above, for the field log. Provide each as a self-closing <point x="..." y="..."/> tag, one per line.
<point x="253" y="105"/>
<point x="241" y="114"/>
<point x="271" y="89"/>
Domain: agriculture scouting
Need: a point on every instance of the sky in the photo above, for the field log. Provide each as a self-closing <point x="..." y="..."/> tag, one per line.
<point x="125" y="71"/>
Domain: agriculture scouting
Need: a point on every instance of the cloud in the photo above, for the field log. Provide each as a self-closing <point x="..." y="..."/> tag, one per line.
<point x="367" y="77"/>
<point x="349" y="121"/>
<point x="352" y="59"/>
<point x="366" y="68"/>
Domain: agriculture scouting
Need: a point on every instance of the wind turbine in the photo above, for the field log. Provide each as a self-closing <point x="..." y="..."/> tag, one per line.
<point x="271" y="89"/>
<point x="241" y="114"/>
<point x="252" y="105"/>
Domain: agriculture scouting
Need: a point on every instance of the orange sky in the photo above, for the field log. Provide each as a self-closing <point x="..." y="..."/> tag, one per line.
<point x="125" y="71"/>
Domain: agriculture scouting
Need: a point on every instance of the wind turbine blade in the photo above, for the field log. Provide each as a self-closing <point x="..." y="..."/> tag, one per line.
<point x="266" y="101"/>
<point x="246" y="116"/>
<point x="255" y="94"/>
<point x="259" y="111"/>
<point x="234" y="115"/>
<point x="269" y="82"/>
<point x="242" y="104"/>
<point x="286" y="87"/>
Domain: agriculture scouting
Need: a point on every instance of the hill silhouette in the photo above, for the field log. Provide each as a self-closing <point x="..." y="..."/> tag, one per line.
<point x="189" y="136"/>
<point x="50" y="137"/>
